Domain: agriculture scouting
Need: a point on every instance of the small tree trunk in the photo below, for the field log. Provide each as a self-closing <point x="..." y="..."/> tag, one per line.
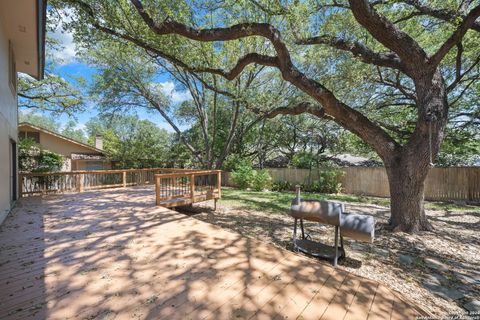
<point x="407" y="184"/>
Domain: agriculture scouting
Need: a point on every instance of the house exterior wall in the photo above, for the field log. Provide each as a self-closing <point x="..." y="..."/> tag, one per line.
<point x="91" y="165"/>
<point x="8" y="127"/>
<point x="59" y="145"/>
<point x="66" y="148"/>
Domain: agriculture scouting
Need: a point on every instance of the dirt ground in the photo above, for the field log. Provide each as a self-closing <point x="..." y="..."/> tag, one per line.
<point x="439" y="270"/>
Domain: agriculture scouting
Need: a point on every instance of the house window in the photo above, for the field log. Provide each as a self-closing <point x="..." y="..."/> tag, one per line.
<point x="12" y="70"/>
<point x="35" y="136"/>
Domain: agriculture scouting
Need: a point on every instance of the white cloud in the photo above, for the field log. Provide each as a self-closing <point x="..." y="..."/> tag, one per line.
<point x="67" y="52"/>
<point x="168" y="89"/>
<point x="81" y="126"/>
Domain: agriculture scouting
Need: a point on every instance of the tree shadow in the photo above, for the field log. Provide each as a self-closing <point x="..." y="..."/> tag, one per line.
<point x="113" y="253"/>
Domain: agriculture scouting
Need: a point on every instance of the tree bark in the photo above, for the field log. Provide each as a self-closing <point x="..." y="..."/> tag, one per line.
<point x="408" y="166"/>
<point x="407" y="185"/>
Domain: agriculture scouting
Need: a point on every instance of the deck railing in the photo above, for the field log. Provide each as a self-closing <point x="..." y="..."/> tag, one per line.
<point x="182" y="188"/>
<point x="79" y="181"/>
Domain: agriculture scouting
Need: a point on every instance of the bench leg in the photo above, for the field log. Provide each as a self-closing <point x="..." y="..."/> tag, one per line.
<point x="301" y="226"/>
<point x="335" y="259"/>
<point x="295" y="235"/>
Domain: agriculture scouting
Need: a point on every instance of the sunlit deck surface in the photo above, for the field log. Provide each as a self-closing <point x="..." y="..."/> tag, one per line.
<point x="112" y="254"/>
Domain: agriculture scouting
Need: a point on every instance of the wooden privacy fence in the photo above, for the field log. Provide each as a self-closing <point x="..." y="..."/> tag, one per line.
<point x="78" y="181"/>
<point x="184" y="188"/>
<point x="453" y="183"/>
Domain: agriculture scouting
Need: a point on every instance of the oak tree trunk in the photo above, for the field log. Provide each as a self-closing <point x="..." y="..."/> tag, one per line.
<point x="407" y="184"/>
<point x="408" y="166"/>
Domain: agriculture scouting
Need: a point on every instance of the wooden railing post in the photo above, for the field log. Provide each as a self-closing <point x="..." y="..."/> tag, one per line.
<point x="124" y="178"/>
<point x="157" y="190"/>
<point x="20" y="185"/>
<point x="79" y="182"/>
<point x="219" y="183"/>
<point x="192" y="187"/>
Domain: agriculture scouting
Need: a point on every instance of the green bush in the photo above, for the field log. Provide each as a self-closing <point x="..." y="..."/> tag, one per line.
<point x="32" y="158"/>
<point x="303" y="160"/>
<point x="328" y="182"/>
<point x="282" y="186"/>
<point x="235" y="161"/>
<point x="244" y="176"/>
<point x="261" y="180"/>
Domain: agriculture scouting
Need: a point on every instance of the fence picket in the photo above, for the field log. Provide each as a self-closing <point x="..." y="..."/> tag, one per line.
<point x="453" y="183"/>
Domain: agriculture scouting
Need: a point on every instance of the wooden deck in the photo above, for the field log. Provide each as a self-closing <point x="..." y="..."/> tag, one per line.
<point x="113" y="254"/>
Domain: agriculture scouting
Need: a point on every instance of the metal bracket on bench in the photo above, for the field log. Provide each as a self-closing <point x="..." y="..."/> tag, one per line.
<point x="318" y="249"/>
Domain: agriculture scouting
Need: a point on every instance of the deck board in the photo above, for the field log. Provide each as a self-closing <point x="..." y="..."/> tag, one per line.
<point x="113" y="254"/>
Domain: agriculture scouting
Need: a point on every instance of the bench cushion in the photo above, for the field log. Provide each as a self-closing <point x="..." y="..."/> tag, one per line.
<point x="357" y="227"/>
<point x="326" y="212"/>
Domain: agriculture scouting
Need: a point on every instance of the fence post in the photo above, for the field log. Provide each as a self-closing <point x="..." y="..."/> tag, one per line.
<point x="157" y="190"/>
<point x="20" y="185"/>
<point x="79" y="182"/>
<point x="192" y="187"/>
<point x="124" y="178"/>
<point x="219" y="183"/>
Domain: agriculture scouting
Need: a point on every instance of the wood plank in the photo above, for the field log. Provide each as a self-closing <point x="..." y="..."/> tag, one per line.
<point x="320" y="301"/>
<point x="362" y="302"/>
<point x="338" y="307"/>
<point x="402" y="310"/>
<point x="382" y="305"/>
<point x="296" y="296"/>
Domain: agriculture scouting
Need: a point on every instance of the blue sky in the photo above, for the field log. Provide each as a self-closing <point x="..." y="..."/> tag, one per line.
<point x="70" y="66"/>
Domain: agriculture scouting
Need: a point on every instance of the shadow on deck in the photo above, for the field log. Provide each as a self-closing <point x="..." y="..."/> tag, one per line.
<point x="112" y="254"/>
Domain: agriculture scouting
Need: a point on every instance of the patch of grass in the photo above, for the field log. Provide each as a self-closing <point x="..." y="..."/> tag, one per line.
<point x="452" y="207"/>
<point x="278" y="202"/>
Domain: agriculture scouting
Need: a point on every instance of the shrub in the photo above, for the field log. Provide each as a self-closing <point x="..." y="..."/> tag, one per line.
<point x="32" y="158"/>
<point x="328" y="182"/>
<point x="244" y="176"/>
<point x="282" y="186"/>
<point x="235" y="161"/>
<point x="261" y="180"/>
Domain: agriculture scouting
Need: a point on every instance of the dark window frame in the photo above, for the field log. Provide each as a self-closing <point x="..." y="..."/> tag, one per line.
<point x="12" y="70"/>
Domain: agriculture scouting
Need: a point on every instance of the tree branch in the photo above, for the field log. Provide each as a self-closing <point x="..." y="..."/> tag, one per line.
<point x="358" y="49"/>
<point x="459" y="76"/>
<point x="344" y="115"/>
<point x="244" y="61"/>
<point x="442" y="14"/>
<point x="303" y="107"/>
<point x="455" y="38"/>
<point x="388" y="34"/>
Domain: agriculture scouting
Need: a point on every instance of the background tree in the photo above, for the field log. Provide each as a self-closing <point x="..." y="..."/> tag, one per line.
<point x="406" y="59"/>
<point x="41" y="120"/>
<point x="72" y="131"/>
<point x="54" y="93"/>
<point x="129" y="141"/>
<point x="215" y="116"/>
<point x="44" y="120"/>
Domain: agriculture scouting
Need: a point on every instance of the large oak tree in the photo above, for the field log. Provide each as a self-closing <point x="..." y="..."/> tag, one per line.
<point x="387" y="36"/>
